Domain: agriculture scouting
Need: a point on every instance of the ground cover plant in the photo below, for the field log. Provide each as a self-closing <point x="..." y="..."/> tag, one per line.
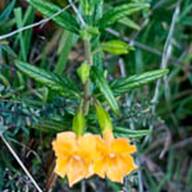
<point x="95" y="95"/>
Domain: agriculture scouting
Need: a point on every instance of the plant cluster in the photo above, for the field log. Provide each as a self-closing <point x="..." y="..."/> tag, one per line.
<point x="68" y="70"/>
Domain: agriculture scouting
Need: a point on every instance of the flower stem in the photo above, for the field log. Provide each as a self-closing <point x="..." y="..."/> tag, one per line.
<point x="88" y="54"/>
<point x="89" y="60"/>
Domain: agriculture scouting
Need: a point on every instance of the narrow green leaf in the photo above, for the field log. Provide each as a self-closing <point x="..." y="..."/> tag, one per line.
<point x="64" y="19"/>
<point x="7" y="11"/>
<point x="129" y="23"/>
<point x="123" y="85"/>
<point x="132" y="133"/>
<point x="28" y="20"/>
<point x="65" y="46"/>
<point x="9" y="50"/>
<point x="91" y="8"/>
<point x="51" y="80"/>
<point x="102" y="84"/>
<point x="19" y="22"/>
<point x="49" y="126"/>
<point x="87" y="7"/>
<point x="119" y="12"/>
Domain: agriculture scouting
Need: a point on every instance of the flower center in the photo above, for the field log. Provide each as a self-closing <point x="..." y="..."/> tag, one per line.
<point x="76" y="157"/>
<point x="112" y="155"/>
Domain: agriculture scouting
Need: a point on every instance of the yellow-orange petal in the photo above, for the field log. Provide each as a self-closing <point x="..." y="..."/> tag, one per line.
<point x="87" y="146"/>
<point x="128" y="164"/>
<point x="122" y="145"/>
<point x="76" y="170"/>
<point x="102" y="148"/>
<point x="62" y="149"/>
<point x="115" y="170"/>
<point x="100" y="167"/>
<point x="60" y="168"/>
<point x="65" y="144"/>
<point x="90" y="171"/>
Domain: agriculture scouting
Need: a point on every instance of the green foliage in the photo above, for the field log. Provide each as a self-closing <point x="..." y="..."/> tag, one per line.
<point x="129" y="23"/>
<point x="123" y="85"/>
<point x="55" y="82"/>
<point x="119" y="12"/>
<point x="89" y="6"/>
<point x="4" y="15"/>
<point x="124" y="132"/>
<point x="64" y="49"/>
<point x="103" y="85"/>
<point x="64" y="19"/>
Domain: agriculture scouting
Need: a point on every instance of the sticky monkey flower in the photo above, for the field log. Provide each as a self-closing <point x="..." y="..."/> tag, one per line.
<point x="80" y="157"/>
<point x="113" y="157"/>
<point x="74" y="156"/>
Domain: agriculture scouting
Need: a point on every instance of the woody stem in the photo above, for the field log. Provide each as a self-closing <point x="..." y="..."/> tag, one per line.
<point x="89" y="60"/>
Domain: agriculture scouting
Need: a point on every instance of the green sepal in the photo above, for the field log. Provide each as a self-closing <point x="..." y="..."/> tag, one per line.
<point x="116" y="47"/>
<point x="103" y="118"/>
<point x="79" y="123"/>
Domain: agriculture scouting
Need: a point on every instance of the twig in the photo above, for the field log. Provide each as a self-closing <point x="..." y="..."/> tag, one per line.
<point x="43" y="21"/>
<point x="88" y="57"/>
<point x="182" y="144"/>
<point x="166" y="55"/>
<point x="167" y="142"/>
<point x="77" y="12"/>
<point x="158" y="4"/>
<point x="164" y="62"/>
<point x="21" y="163"/>
<point x="89" y="60"/>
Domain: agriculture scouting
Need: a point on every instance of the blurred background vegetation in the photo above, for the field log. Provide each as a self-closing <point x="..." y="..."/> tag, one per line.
<point x="31" y="114"/>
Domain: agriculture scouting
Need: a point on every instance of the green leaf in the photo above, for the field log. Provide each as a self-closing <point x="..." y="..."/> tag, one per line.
<point x="102" y="84"/>
<point x="49" y="125"/>
<point x="51" y="80"/>
<point x="87" y="7"/>
<point x="19" y="22"/>
<point x="131" y="133"/>
<point x="119" y="12"/>
<point x="129" y="23"/>
<point x="90" y="7"/>
<point x="116" y="47"/>
<point x="123" y="85"/>
<point x="65" y="45"/>
<point x="64" y="19"/>
<point x="4" y="15"/>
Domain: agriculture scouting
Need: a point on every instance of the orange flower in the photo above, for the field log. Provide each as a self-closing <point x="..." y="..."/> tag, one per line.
<point x="113" y="157"/>
<point x="74" y="156"/>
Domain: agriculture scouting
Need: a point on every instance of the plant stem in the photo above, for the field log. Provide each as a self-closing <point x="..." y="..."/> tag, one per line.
<point x="88" y="54"/>
<point x="89" y="59"/>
